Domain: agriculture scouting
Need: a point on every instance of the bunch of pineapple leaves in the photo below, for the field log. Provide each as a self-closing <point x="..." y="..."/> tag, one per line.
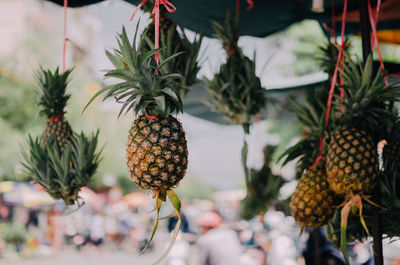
<point x="63" y="174"/>
<point x="263" y="188"/>
<point x="144" y="87"/>
<point x="235" y="91"/>
<point x="187" y="65"/>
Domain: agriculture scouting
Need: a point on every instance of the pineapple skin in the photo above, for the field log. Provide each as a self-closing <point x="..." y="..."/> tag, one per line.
<point x="61" y="130"/>
<point x="312" y="203"/>
<point x="157" y="153"/>
<point x="352" y="162"/>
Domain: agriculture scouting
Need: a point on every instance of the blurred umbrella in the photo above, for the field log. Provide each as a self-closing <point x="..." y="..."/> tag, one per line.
<point x="24" y="194"/>
<point x="136" y="199"/>
<point x="6" y="186"/>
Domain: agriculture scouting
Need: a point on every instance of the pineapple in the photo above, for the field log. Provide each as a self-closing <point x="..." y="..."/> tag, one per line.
<point x="236" y="91"/>
<point x="312" y="202"/>
<point x="52" y="102"/>
<point x="357" y="123"/>
<point x="156" y="150"/>
<point x="352" y="162"/>
<point x="157" y="153"/>
<point x="358" y="120"/>
<point x="63" y="174"/>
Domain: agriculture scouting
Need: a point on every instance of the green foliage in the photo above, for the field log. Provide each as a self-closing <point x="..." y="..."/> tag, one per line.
<point x="14" y="233"/>
<point x="17" y="112"/>
<point x="366" y="103"/>
<point x="62" y="174"/>
<point x="310" y="116"/>
<point x="236" y="91"/>
<point x="53" y="97"/>
<point x="263" y="188"/>
<point x="144" y="88"/>
<point x="171" y="42"/>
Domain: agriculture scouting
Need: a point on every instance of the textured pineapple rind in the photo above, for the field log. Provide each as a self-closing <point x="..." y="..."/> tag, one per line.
<point x="61" y="130"/>
<point x="157" y="153"/>
<point x="352" y="162"/>
<point x="312" y="203"/>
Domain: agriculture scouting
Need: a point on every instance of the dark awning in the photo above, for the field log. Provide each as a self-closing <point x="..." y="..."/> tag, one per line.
<point x="267" y="16"/>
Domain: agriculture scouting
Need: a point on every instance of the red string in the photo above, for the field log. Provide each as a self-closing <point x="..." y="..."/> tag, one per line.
<point x="151" y="117"/>
<point x="374" y="22"/>
<point x="156" y="14"/>
<point x="249" y="7"/>
<point x="339" y="63"/>
<point x="65" y="35"/>
<point x="58" y="117"/>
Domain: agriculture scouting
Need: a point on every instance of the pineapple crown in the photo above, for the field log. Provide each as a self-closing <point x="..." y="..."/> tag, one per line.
<point x="366" y="103"/>
<point x="187" y="64"/>
<point x="310" y="115"/>
<point x="145" y="88"/>
<point x="236" y="90"/>
<point x="53" y="98"/>
<point x="228" y="33"/>
<point x="327" y="57"/>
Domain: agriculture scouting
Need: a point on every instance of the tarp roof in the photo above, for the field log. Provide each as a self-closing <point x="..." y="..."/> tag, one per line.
<point x="267" y="16"/>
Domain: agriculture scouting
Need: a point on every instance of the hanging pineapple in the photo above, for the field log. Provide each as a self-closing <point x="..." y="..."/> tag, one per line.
<point x="60" y="161"/>
<point x="236" y="91"/>
<point x="313" y="203"/>
<point x="263" y="188"/>
<point x="156" y="150"/>
<point x="174" y="42"/>
<point x="63" y="174"/>
<point x="358" y="120"/>
<point x="53" y="99"/>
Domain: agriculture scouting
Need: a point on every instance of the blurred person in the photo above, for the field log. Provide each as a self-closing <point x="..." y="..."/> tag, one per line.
<point x="327" y="254"/>
<point x="56" y="230"/>
<point x="217" y="245"/>
<point x="97" y="230"/>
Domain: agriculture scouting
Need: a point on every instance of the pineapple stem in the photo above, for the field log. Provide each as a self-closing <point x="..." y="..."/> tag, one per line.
<point x="358" y="203"/>
<point x="159" y="201"/>
<point x="176" y="203"/>
<point x="343" y="230"/>
<point x="244" y="161"/>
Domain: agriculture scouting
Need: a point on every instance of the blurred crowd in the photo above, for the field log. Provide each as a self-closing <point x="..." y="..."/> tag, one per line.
<point x="212" y="232"/>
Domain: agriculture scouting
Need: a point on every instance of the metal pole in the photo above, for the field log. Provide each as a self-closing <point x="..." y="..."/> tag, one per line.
<point x="365" y="28"/>
<point x="366" y="48"/>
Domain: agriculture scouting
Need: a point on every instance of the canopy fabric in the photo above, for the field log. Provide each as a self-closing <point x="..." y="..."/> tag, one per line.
<point x="267" y="16"/>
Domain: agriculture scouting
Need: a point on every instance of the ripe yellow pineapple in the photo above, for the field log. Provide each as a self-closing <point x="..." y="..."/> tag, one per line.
<point x="312" y="203"/>
<point x="52" y="102"/>
<point x="357" y="123"/>
<point x="352" y="162"/>
<point x="156" y="150"/>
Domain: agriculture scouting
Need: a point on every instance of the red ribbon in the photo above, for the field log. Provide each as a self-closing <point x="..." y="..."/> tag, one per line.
<point x="374" y="21"/>
<point x="65" y="35"/>
<point x="58" y="117"/>
<point x="156" y="15"/>
<point x="249" y="7"/>
<point x="151" y="117"/>
<point x="339" y="63"/>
